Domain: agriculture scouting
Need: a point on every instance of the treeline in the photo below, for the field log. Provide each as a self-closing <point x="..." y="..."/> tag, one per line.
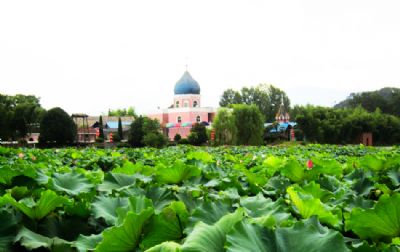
<point x="386" y="99"/>
<point x="345" y="126"/>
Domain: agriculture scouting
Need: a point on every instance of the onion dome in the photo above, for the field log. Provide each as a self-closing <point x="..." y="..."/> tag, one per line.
<point x="186" y="85"/>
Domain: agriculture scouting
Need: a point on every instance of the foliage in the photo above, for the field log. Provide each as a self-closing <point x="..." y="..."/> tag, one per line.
<point x="19" y="115"/>
<point x="198" y="134"/>
<point x="177" y="138"/>
<point x="249" y="124"/>
<point x="122" y="112"/>
<point x="120" y="133"/>
<point x="340" y="126"/>
<point x="154" y="139"/>
<point x="186" y="198"/>
<point x="101" y="129"/>
<point x="146" y="132"/>
<point x="225" y="128"/>
<point x="57" y="127"/>
<point x="266" y="97"/>
<point x="386" y="99"/>
<point x="136" y="132"/>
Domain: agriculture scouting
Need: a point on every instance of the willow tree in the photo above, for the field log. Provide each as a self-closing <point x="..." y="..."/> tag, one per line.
<point x="225" y="128"/>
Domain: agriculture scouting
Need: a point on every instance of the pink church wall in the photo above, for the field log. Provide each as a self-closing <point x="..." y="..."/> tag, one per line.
<point x="189" y="98"/>
<point x="183" y="131"/>
<point x="162" y="117"/>
<point x="188" y="116"/>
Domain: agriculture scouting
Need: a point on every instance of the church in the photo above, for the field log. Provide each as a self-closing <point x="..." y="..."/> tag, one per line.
<point x="186" y="109"/>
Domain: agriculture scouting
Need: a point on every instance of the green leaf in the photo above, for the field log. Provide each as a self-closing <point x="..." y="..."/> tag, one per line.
<point x="211" y="238"/>
<point x="176" y="173"/>
<point x="71" y="183"/>
<point x="166" y="226"/>
<point x="31" y="240"/>
<point x="382" y="221"/>
<point x="265" y="211"/>
<point x="136" y="204"/>
<point x="105" y="207"/>
<point x="250" y="237"/>
<point x="306" y="235"/>
<point x="48" y="201"/>
<point x="293" y="170"/>
<point x="394" y="176"/>
<point x="210" y="212"/>
<point x="205" y="157"/>
<point x="273" y="164"/>
<point x="87" y="243"/>
<point x="165" y="247"/>
<point x="8" y="229"/>
<point x="128" y="168"/>
<point x="125" y="238"/>
<point x="116" y="182"/>
<point x="307" y="205"/>
<point x="372" y="162"/>
<point x="327" y="166"/>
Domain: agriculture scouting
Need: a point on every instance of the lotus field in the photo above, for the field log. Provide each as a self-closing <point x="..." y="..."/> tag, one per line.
<point x="303" y="198"/>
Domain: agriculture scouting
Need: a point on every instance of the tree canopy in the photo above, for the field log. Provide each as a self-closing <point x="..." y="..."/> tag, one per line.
<point x="57" y="127"/>
<point x="122" y="112"/>
<point x="146" y="132"/>
<point x="19" y="115"/>
<point x="267" y="98"/>
<point x="386" y="99"/>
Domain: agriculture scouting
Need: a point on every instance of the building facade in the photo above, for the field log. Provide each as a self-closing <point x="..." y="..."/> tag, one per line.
<point x="186" y="109"/>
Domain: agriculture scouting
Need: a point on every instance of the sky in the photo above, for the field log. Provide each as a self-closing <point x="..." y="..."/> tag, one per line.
<point x="91" y="56"/>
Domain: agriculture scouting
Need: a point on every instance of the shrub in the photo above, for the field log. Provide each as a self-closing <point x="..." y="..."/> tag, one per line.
<point x="154" y="139"/>
<point x="177" y="137"/>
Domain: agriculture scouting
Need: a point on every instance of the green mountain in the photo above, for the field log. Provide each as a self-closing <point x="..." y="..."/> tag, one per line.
<point x="386" y="99"/>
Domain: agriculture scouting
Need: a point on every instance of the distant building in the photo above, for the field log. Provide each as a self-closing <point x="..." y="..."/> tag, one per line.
<point x="282" y="127"/>
<point x="88" y="127"/>
<point x="282" y="116"/>
<point x="186" y="109"/>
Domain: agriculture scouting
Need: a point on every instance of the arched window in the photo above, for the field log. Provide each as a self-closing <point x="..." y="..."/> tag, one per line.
<point x="198" y="119"/>
<point x="185" y="104"/>
<point x="195" y="104"/>
<point x="177" y="104"/>
<point x="179" y="119"/>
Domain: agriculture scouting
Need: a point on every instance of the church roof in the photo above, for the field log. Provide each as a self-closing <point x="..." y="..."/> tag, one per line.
<point x="186" y="85"/>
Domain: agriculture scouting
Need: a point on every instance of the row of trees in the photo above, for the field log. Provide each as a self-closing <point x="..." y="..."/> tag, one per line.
<point x="344" y="126"/>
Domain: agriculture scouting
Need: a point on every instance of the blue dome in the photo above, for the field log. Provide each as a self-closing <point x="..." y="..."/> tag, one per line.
<point x="186" y="85"/>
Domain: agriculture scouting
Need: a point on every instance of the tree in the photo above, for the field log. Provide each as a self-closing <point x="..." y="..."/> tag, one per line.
<point x="266" y="97"/>
<point x="154" y="139"/>
<point x="136" y="132"/>
<point x="122" y="112"/>
<point x="101" y="131"/>
<point x="18" y="115"/>
<point x="198" y="134"/>
<point x="57" y="127"/>
<point x="120" y="134"/>
<point x="249" y="123"/>
<point x="225" y="128"/>
<point x="146" y="132"/>
<point x="229" y="97"/>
